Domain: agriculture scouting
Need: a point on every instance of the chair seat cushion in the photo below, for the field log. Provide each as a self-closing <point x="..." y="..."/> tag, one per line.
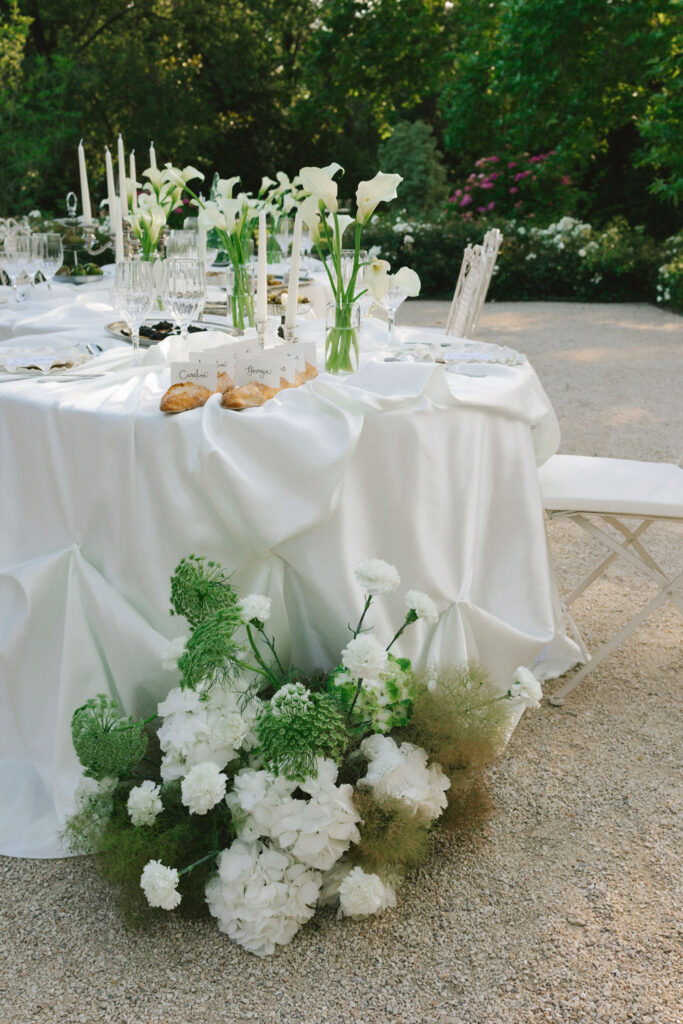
<point x="580" y="483"/>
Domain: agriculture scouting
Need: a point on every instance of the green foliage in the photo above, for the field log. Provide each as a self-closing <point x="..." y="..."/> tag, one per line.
<point x="199" y="589"/>
<point x="670" y="274"/>
<point x="379" y="706"/>
<point x="458" y="719"/>
<point x="298" y="726"/>
<point x="106" y="743"/>
<point x="411" y="151"/>
<point x="176" y="838"/>
<point x="391" y="840"/>
<point x="212" y="653"/>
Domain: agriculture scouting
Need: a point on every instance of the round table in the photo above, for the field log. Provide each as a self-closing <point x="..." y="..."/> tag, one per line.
<point x="432" y="471"/>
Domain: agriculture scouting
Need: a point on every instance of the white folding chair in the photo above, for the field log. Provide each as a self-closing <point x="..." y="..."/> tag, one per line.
<point x="466" y="292"/>
<point x="628" y="496"/>
<point x="493" y="239"/>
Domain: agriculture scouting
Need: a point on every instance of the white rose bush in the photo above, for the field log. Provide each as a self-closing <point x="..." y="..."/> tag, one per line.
<point x="257" y="792"/>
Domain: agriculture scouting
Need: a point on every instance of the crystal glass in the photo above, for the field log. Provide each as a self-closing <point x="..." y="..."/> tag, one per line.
<point x="132" y="295"/>
<point x="184" y="293"/>
<point x="342" y="325"/>
<point x="182" y="245"/>
<point x="391" y="301"/>
<point x="16" y="258"/>
<point x="282" y="232"/>
<point x="49" y="254"/>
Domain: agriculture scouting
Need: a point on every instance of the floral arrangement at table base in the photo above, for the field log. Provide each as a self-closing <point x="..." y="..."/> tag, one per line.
<point x="258" y="792"/>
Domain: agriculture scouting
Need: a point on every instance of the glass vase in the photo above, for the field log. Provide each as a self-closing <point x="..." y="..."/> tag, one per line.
<point x="342" y="326"/>
<point x="241" y="296"/>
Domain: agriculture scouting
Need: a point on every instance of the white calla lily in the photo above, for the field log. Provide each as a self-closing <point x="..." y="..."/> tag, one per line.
<point x="211" y="217"/>
<point x="310" y="215"/>
<point x="266" y="182"/>
<point x="319" y="181"/>
<point x="369" y="194"/>
<point x="224" y="187"/>
<point x="154" y="175"/>
<point x="179" y="178"/>
<point x="407" y="280"/>
<point x="376" y="278"/>
<point x="344" y="222"/>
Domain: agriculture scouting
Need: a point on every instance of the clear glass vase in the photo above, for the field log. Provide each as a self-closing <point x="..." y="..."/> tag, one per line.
<point x="342" y="327"/>
<point x="241" y="296"/>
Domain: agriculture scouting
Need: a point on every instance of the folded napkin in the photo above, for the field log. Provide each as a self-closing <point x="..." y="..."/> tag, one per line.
<point x="464" y="351"/>
<point x="43" y="360"/>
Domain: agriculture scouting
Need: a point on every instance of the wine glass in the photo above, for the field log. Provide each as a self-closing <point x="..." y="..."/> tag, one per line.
<point x="282" y="226"/>
<point x="16" y="258"/>
<point x="132" y="295"/>
<point x="184" y="294"/>
<point x="49" y="254"/>
<point x="391" y="301"/>
<point x="182" y="245"/>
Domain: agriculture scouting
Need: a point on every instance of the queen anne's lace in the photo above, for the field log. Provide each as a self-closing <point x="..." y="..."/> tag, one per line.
<point x="261" y="896"/>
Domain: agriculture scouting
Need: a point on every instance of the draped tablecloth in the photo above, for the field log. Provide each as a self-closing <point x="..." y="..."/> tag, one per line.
<point x="102" y="495"/>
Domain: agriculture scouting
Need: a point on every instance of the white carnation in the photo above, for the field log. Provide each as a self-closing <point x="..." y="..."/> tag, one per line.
<point x="332" y="879"/>
<point x="255" y="606"/>
<point x="526" y="688"/>
<point x="144" y="803"/>
<point x="174" y="648"/>
<point x="401" y="773"/>
<point x="160" y="885"/>
<point x="377" y="577"/>
<point x="361" y="894"/>
<point x="203" y="787"/>
<point x="365" y="657"/>
<point x="423" y="606"/>
<point x="261" y="896"/>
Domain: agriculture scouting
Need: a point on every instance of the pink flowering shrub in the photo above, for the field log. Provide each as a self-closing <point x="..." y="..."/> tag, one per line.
<point x="519" y="186"/>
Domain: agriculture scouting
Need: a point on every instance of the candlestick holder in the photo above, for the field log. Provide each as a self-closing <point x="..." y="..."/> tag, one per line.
<point x="290" y="334"/>
<point x="261" y="332"/>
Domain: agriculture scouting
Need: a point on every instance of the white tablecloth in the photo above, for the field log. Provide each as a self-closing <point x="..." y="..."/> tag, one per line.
<point x="103" y="494"/>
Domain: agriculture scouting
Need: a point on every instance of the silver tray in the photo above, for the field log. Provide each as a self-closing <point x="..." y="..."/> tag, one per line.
<point x="119" y="329"/>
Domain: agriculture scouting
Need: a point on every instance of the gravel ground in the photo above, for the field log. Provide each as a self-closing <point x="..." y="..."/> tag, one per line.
<point x="562" y="908"/>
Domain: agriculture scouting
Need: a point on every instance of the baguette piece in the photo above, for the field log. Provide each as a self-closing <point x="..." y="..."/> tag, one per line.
<point x="184" y="396"/>
<point x="248" y="396"/>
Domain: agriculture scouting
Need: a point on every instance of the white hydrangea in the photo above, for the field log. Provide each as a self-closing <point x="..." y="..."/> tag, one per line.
<point x="361" y="894"/>
<point x="317" y="831"/>
<point x="174" y="648"/>
<point x="261" y="896"/>
<point x="255" y="606"/>
<point x="377" y="577"/>
<point x="160" y="885"/>
<point x="364" y="657"/>
<point x="401" y="773"/>
<point x="214" y="728"/>
<point x="203" y="787"/>
<point x="423" y="606"/>
<point x="144" y="803"/>
<point x="526" y="688"/>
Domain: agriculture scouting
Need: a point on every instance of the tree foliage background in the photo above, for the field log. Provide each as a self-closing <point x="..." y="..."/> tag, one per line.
<point x="253" y="86"/>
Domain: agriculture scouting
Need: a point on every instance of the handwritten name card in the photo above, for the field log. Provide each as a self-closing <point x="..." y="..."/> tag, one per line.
<point x="264" y="369"/>
<point x="194" y="372"/>
<point x="301" y="352"/>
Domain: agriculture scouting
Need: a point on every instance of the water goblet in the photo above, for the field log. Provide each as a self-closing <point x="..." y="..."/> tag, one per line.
<point x="16" y="258"/>
<point x="183" y="293"/>
<point x="49" y="254"/>
<point x="391" y="301"/>
<point x="282" y="229"/>
<point x="132" y="295"/>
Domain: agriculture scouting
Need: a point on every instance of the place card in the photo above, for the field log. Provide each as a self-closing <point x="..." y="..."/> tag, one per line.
<point x="224" y="356"/>
<point x="264" y="369"/>
<point x="301" y="351"/>
<point x="195" y="372"/>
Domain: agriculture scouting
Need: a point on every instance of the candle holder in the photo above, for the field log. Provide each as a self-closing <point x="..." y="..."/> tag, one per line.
<point x="261" y="331"/>
<point x="290" y="334"/>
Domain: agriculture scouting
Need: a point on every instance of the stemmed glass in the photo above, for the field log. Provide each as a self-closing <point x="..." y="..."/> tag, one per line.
<point x="16" y="258"/>
<point x="182" y="244"/>
<point x="281" y="232"/>
<point x="49" y="254"/>
<point x="391" y="301"/>
<point x="132" y="295"/>
<point x="184" y="294"/>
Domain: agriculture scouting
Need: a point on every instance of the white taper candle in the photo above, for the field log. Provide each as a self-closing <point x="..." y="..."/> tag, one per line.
<point x="152" y="157"/>
<point x="133" y="181"/>
<point x="111" y="189"/>
<point x="293" y="287"/>
<point x="122" y="177"/>
<point x="262" y="283"/>
<point x="85" y="191"/>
